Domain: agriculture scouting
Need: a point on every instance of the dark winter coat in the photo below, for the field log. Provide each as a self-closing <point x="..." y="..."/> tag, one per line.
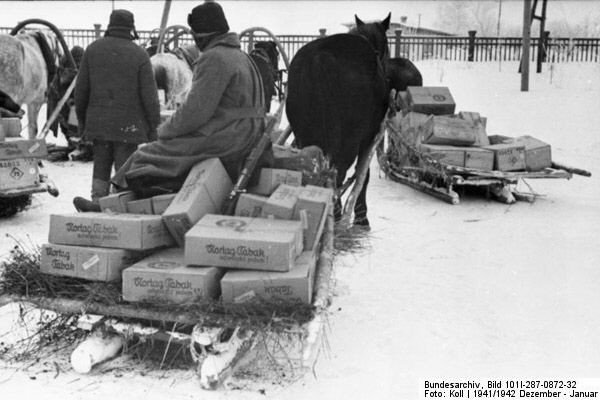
<point x="222" y="116"/>
<point x="115" y="95"/>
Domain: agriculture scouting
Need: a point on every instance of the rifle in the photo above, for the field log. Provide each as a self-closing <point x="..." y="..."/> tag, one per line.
<point x="249" y="166"/>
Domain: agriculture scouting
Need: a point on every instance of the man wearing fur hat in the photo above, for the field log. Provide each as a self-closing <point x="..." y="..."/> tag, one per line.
<point x="116" y="102"/>
<point x="222" y="116"/>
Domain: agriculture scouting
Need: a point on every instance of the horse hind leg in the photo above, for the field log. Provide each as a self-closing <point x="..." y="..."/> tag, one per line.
<point x="360" y="208"/>
<point x="33" y="111"/>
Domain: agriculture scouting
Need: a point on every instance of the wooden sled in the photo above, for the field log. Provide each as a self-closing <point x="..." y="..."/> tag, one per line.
<point x="217" y="351"/>
<point x="426" y="174"/>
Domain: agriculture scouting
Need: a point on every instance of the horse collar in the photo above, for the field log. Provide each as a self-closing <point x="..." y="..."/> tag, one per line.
<point x="47" y="54"/>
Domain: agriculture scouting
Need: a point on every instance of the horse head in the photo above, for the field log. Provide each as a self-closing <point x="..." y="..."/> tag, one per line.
<point x="375" y="33"/>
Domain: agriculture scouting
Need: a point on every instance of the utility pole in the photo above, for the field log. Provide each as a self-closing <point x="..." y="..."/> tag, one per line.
<point x="499" y="17"/>
<point x="526" y="46"/>
<point x="163" y="26"/>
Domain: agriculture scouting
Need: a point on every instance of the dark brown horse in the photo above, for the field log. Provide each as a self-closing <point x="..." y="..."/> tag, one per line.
<point x="266" y="57"/>
<point x="338" y="97"/>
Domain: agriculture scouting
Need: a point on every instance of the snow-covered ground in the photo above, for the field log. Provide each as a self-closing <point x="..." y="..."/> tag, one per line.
<point x="476" y="290"/>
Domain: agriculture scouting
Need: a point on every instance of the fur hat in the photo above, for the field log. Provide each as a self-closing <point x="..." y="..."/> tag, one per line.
<point x="208" y="18"/>
<point x="122" y="20"/>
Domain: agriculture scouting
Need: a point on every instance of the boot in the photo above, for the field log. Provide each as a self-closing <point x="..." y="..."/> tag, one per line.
<point x="85" y="205"/>
<point x="100" y="188"/>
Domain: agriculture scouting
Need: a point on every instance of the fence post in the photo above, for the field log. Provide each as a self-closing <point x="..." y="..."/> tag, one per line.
<point x="251" y="41"/>
<point x="97" y="31"/>
<point x="176" y="39"/>
<point x="398" y="33"/>
<point x="322" y="32"/>
<point x="526" y="45"/>
<point x="472" y="45"/>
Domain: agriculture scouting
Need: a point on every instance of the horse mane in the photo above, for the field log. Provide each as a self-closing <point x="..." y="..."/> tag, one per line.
<point x="375" y="33"/>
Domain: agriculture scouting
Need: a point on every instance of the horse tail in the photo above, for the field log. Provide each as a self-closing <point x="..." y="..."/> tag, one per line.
<point x="161" y="77"/>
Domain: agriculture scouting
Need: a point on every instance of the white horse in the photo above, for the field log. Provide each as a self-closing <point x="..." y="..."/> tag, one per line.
<point x="27" y="62"/>
<point x="173" y="73"/>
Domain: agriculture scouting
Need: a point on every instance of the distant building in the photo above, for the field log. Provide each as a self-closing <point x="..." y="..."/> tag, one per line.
<point x="423" y="46"/>
<point x="415" y="30"/>
<point x="406" y="29"/>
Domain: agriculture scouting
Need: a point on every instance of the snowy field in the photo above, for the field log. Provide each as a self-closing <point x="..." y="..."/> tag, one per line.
<point x="476" y="290"/>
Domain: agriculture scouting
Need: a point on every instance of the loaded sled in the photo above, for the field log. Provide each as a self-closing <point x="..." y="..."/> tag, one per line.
<point x="433" y="150"/>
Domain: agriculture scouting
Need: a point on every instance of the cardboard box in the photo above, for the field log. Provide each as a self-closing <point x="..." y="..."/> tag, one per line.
<point x="473" y="116"/>
<point x="448" y="130"/>
<point x="410" y="126"/>
<point x="244" y="243"/>
<point x="479" y="158"/>
<point x="508" y="157"/>
<point x="296" y="285"/>
<point x="430" y="100"/>
<point x="143" y="206"/>
<point x="116" y="203"/>
<point x="479" y="123"/>
<point x="281" y="204"/>
<point x="249" y="205"/>
<point x="203" y="192"/>
<point x="10" y="127"/>
<point x="91" y="263"/>
<point x="161" y="202"/>
<point x="538" y="155"/>
<point x="164" y="276"/>
<point x="271" y="178"/>
<point x="311" y="208"/>
<point x="449" y="155"/>
<point x="13" y="148"/>
<point x="19" y="173"/>
<point x="121" y="231"/>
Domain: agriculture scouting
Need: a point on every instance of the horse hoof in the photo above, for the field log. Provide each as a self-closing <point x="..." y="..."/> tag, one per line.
<point x="362" y="223"/>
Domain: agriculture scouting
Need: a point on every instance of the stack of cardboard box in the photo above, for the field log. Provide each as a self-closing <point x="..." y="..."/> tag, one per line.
<point x="429" y="122"/>
<point x="178" y="247"/>
<point x="19" y="162"/>
<point x="268" y="248"/>
<point x="97" y="246"/>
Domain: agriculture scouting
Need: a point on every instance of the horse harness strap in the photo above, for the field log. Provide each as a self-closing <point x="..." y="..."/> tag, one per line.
<point x="184" y="56"/>
<point x="246" y="112"/>
<point x="47" y="54"/>
<point x="260" y="84"/>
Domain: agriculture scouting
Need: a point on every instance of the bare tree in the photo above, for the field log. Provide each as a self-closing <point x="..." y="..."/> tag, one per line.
<point x="460" y="16"/>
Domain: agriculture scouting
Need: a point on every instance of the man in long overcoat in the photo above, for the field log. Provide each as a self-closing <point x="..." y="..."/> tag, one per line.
<point x="223" y="115"/>
<point x="116" y="102"/>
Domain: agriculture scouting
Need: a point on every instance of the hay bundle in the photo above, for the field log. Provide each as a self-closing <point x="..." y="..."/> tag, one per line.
<point x="9" y="206"/>
<point x="21" y="278"/>
<point x="402" y="158"/>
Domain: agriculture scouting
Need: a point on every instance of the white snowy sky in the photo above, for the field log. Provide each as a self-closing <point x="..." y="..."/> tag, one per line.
<point x="281" y="17"/>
